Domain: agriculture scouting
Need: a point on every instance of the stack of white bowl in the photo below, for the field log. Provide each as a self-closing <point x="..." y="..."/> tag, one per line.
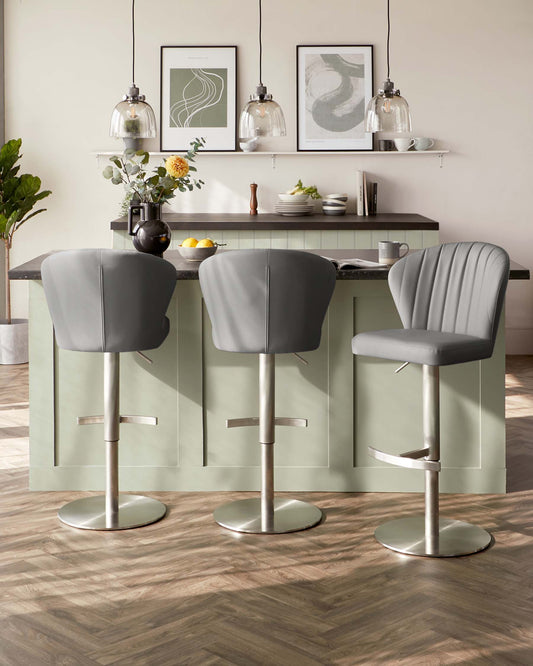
<point x="334" y="204"/>
<point x="294" y="204"/>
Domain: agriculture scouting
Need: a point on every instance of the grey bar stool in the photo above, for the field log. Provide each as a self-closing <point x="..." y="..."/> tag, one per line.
<point x="449" y="299"/>
<point x="109" y="301"/>
<point x="267" y="302"/>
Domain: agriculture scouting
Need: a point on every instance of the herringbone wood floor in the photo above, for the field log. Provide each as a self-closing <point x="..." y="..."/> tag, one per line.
<point x="186" y="592"/>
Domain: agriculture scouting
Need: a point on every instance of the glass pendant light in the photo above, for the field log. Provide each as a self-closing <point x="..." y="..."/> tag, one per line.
<point x="261" y="116"/>
<point x="133" y="119"/>
<point x="388" y="111"/>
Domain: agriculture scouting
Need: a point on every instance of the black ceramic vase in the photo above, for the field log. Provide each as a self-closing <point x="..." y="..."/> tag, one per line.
<point x="150" y="234"/>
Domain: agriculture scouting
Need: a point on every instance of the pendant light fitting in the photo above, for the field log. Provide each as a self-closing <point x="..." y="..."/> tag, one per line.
<point x="388" y="110"/>
<point x="261" y="116"/>
<point x="133" y="119"/>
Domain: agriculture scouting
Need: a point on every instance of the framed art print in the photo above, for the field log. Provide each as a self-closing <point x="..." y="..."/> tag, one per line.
<point x="334" y="86"/>
<point x="198" y="97"/>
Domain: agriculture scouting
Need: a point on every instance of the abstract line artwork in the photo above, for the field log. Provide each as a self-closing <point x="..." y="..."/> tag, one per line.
<point x="198" y="97"/>
<point x="334" y="86"/>
<point x="335" y="96"/>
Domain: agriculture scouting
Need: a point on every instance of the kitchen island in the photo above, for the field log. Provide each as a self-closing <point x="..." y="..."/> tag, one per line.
<point x="307" y="232"/>
<point x="351" y="403"/>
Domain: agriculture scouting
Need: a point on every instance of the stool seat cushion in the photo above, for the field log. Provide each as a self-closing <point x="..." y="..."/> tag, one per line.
<point x="422" y="346"/>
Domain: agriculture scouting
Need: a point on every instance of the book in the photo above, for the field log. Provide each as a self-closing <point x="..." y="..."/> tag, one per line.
<point x="374" y="199"/>
<point x="359" y="193"/>
<point x="366" y="194"/>
<point x="351" y="264"/>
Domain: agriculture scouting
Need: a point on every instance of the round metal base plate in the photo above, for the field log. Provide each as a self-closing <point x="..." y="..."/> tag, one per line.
<point x="133" y="511"/>
<point x="407" y="535"/>
<point x="289" y="516"/>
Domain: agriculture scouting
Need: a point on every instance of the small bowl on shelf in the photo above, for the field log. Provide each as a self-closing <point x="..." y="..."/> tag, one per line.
<point x="293" y="198"/>
<point x="333" y="207"/>
<point x="197" y="253"/>
<point x="328" y="210"/>
<point x="336" y="197"/>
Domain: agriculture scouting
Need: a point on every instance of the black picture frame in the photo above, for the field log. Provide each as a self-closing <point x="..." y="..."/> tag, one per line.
<point x="334" y="84"/>
<point x="198" y="97"/>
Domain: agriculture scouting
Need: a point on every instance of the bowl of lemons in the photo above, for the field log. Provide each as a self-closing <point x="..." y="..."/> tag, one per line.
<point x="197" y="250"/>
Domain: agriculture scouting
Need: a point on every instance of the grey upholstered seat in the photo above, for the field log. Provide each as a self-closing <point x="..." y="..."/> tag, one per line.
<point x="267" y="301"/>
<point x="449" y="298"/>
<point x="108" y="300"/>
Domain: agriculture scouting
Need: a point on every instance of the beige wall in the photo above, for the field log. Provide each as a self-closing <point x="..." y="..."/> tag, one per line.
<point x="463" y="65"/>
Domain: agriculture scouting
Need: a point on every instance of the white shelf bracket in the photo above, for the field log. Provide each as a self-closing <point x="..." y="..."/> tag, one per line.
<point x="441" y="160"/>
<point x="273" y="161"/>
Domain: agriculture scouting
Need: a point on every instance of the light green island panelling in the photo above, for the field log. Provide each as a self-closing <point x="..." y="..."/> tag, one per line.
<point x="193" y="388"/>
<point x="291" y="239"/>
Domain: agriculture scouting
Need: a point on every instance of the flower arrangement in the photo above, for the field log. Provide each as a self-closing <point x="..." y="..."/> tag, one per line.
<point x="159" y="187"/>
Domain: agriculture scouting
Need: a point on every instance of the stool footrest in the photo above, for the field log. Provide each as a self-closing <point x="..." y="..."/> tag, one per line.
<point x="143" y="420"/>
<point x="254" y="421"/>
<point x="409" y="459"/>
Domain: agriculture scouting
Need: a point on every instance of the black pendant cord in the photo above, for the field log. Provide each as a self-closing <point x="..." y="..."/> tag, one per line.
<point x="260" y="46"/>
<point x="388" y="39"/>
<point x="133" y="42"/>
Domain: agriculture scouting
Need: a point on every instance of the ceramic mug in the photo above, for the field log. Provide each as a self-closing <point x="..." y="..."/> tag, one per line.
<point x="385" y="144"/>
<point x="423" y="143"/>
<point x="404" y="144"/>
<point x="389" y="252"/>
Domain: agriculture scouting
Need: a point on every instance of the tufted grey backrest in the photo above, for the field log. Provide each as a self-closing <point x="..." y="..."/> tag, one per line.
<point x="267" y="301"/>
<point x="108" y="300"/>
<point x="453" y="288"/>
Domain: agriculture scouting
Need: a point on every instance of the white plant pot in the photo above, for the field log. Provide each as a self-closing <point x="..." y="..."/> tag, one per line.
<point x="13" y="342"/>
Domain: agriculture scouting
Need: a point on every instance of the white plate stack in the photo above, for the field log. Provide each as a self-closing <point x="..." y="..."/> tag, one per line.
<point x="294" y="204"/>
<point x="334" y="204"/>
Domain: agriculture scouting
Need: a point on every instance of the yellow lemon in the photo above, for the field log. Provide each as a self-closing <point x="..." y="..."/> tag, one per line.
<point x="205" y="242"/>
<point x="189" y="242"/>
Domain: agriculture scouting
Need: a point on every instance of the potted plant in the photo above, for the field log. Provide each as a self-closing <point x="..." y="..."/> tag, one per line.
<point x="18" y="196"/>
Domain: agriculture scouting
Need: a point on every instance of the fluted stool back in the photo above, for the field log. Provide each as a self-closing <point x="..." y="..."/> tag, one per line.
<point x="453" y="288"/>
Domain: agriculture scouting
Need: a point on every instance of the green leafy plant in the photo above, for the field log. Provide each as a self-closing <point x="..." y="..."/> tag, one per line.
<point x="159" y="186"/>
<point x="299" y="188"/>
<point x="18" y="196"/>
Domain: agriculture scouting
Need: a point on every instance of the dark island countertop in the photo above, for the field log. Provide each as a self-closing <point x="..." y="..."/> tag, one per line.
<point x="271" y="222"/>
<point x="188" y="270"/>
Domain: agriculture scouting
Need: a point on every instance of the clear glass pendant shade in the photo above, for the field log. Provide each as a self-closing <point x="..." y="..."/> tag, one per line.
<point x="261" y="117"/>
<point x="387" y="111"/>
<point x="133" y="118"/>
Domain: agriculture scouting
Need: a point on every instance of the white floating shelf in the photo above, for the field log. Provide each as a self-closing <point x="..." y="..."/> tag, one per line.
<point x="280" y="153"/>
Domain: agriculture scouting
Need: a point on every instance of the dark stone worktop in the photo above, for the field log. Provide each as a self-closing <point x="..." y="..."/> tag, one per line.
<point x="188" y="270"/>
<point x="271" y="222"/>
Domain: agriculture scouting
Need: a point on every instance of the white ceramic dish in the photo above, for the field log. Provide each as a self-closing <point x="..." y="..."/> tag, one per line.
<point x="333" y="203"/>
<point x="293" y="198"/>
<point x="197" y="253"/>
<point x="337" y="197"/>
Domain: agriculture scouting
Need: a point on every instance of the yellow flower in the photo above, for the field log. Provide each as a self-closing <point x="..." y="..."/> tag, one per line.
<point x="176" y="166"/>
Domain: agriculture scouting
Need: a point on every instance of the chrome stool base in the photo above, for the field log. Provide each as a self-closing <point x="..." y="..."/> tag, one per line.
<point x="289" y="516"/>
<point x="89" y="513"/>
<point x="455" y="538"/>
